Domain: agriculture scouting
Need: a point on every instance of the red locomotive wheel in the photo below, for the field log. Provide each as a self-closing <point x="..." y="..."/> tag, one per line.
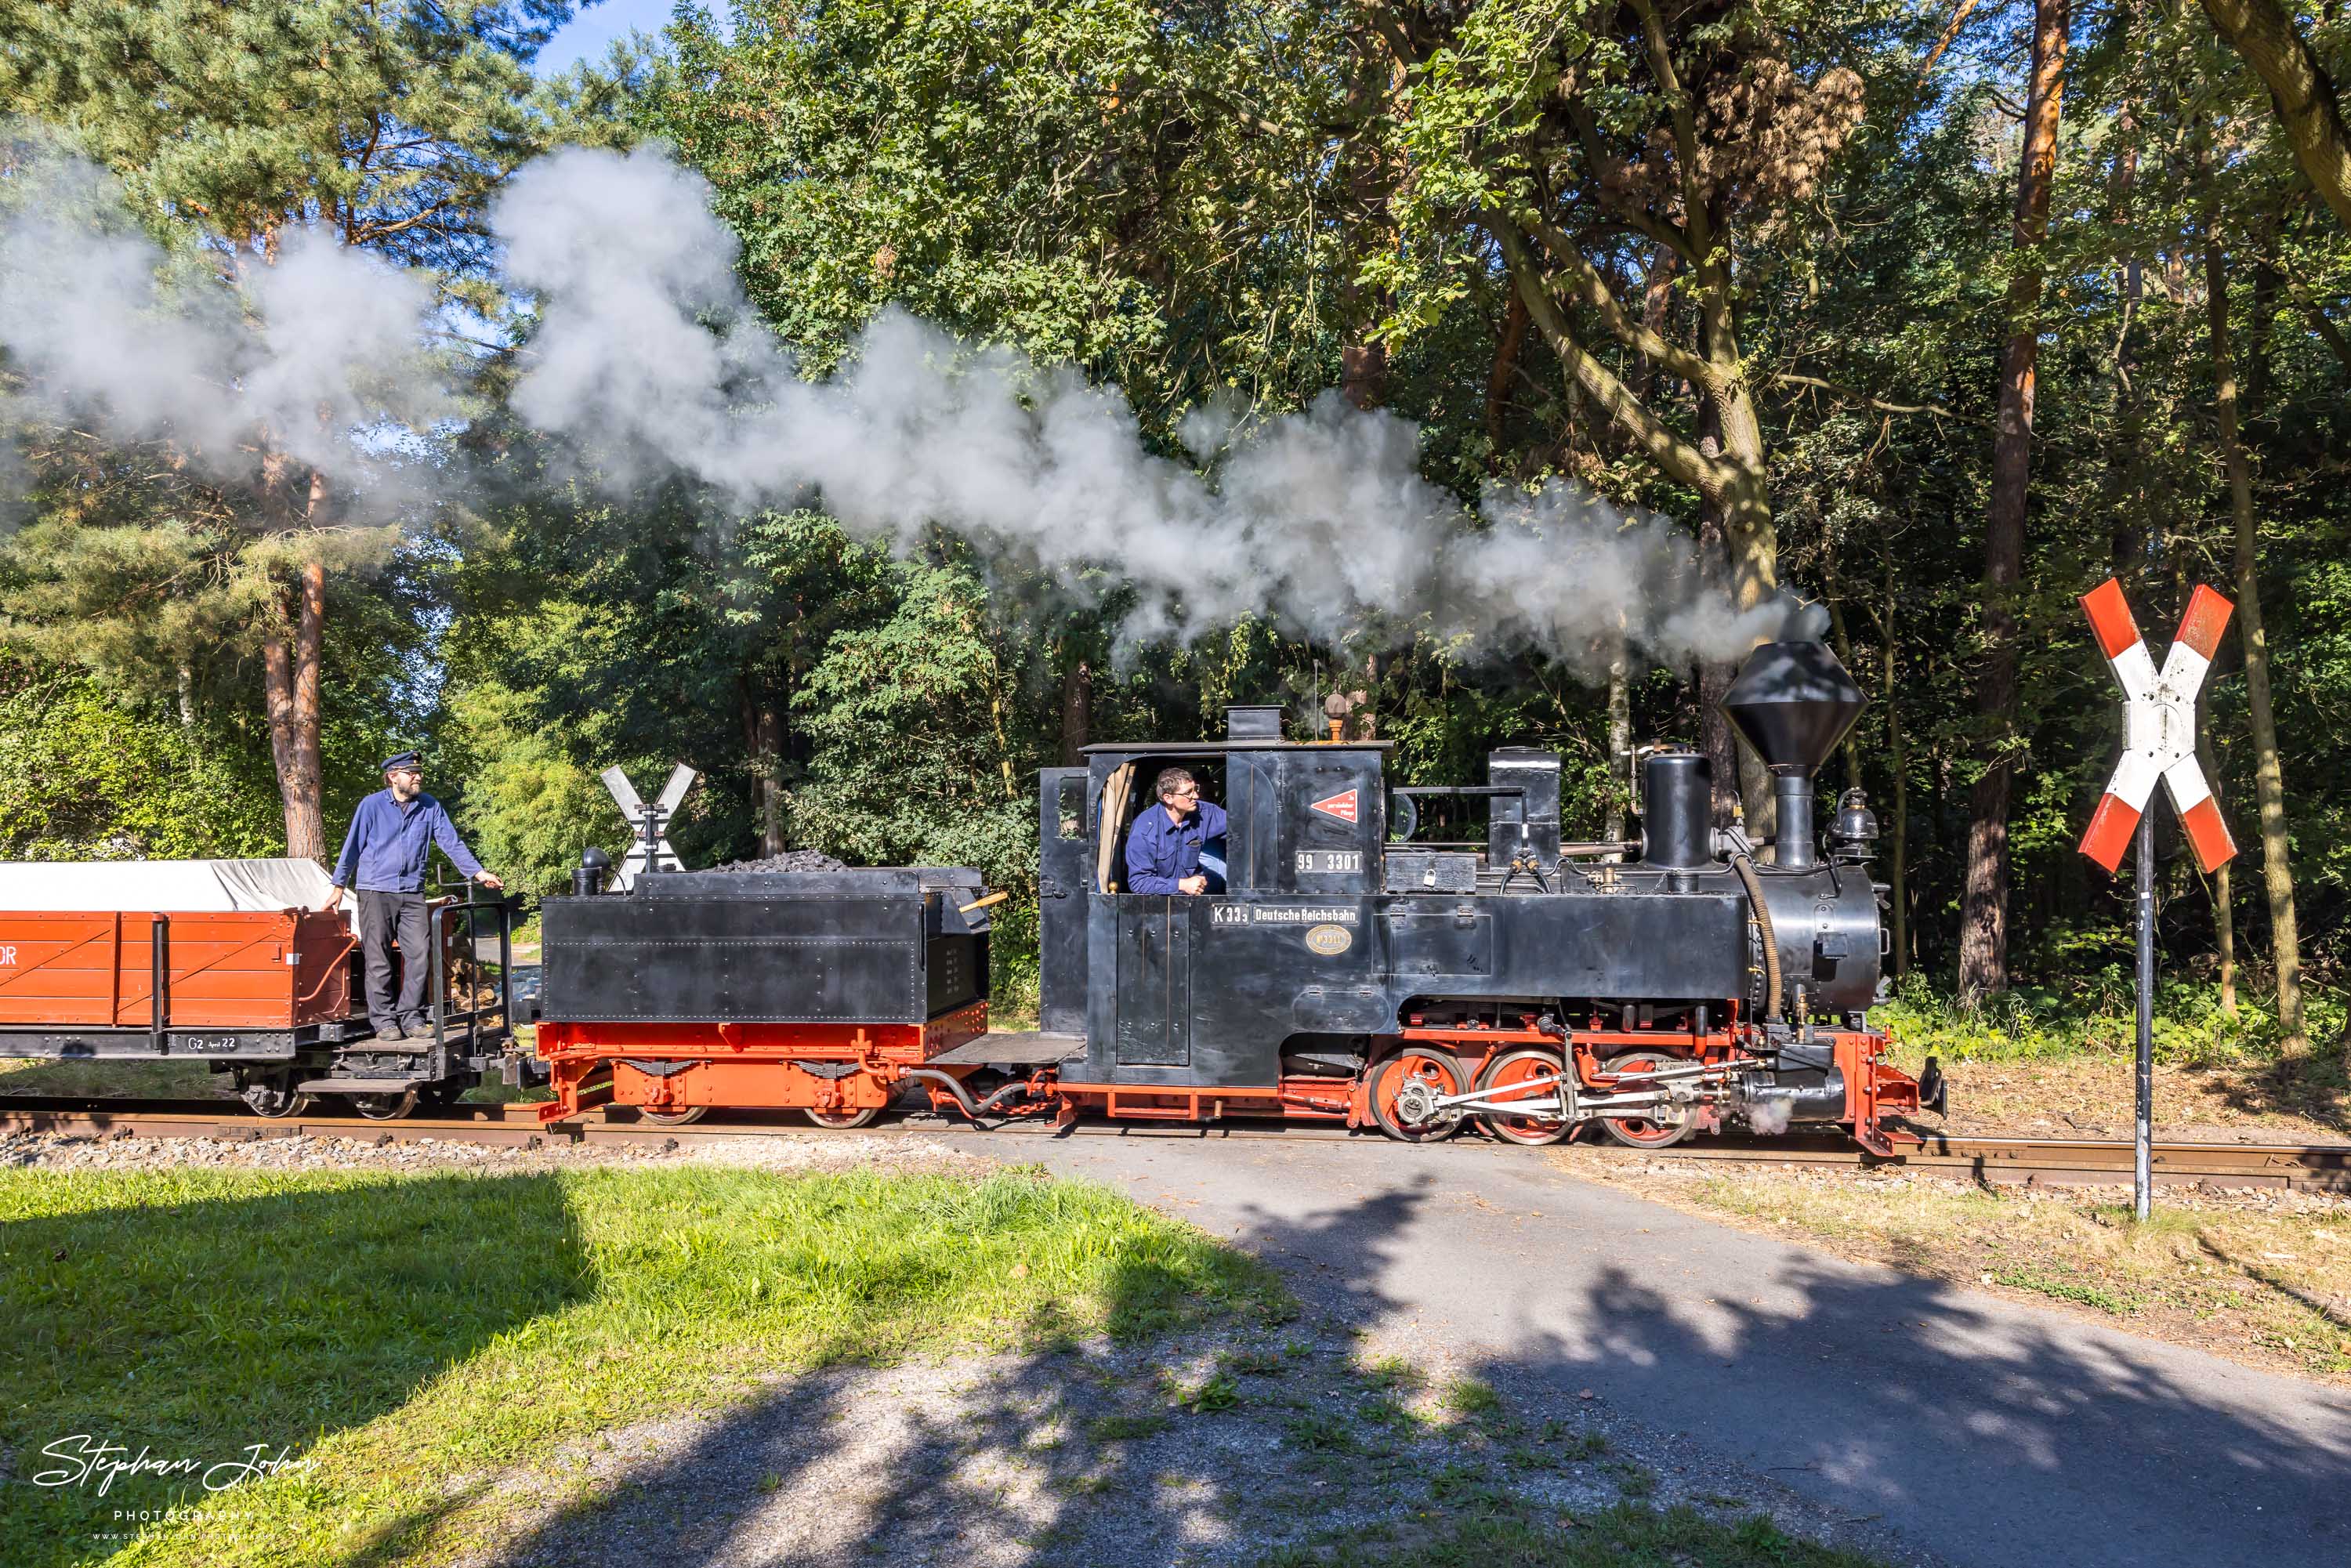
<point x="671" y="1118"/>
<point x="1438" y="1070"/>
<point x="842" y="1119"/>
<point x="1528" y="1065"/>
<point x="1666" y="1126"/>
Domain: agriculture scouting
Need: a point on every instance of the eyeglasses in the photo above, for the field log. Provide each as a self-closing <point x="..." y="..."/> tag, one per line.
<point x="1184" y="795"/>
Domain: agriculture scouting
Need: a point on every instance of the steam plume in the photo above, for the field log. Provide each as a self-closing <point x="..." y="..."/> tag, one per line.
<point x="647" y="359"/>
<point x="650" y="354"/>
<point x="318" y="357"/>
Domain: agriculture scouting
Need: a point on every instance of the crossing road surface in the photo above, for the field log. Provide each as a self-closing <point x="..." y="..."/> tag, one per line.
<point x="1984" y="1432"/>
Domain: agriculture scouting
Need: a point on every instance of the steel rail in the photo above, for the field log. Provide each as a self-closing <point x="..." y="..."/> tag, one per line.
<point x="1993" y="1160"/>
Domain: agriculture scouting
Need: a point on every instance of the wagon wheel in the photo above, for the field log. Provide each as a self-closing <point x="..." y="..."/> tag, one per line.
<point x="1527" y="1066"/>
<point x="440" y="1096"/>
<point x="1437" y="1071"/>
<point x="1663" y="1126"/>
<point x="385" y="1107"/>
<point x="274" y="1096"/>
<point x="842" y="1119"/>
<point x="677" y="1118"/>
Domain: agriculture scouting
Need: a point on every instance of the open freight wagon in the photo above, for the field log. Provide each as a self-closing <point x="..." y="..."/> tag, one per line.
<point x="235" y="964"/>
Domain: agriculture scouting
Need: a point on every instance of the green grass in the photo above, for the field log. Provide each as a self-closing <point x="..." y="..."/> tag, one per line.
<point x="415" y="1338"/>
<point x="2095" y="1013"/>
<point x="178" y="1080"/>
<point x="1511" y="1535"/>
<point x="2080" y="1292"/>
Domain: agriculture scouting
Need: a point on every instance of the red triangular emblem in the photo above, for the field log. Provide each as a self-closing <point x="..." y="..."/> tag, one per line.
<point x="1341" y="806"/>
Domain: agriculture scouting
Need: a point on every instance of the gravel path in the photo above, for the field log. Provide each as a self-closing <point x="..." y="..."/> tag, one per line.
<point x="1215" y="1451"/>
<point x="1990" y="1432"/>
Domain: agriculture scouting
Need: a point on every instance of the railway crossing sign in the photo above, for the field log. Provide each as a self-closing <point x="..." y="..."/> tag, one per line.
<point x="649" y="846"/>
<point x="2159" y="742"/>
<point x="2158" y="727"/>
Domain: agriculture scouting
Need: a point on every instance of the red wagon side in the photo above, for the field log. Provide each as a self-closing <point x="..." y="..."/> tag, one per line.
<point x="138" y="971"/>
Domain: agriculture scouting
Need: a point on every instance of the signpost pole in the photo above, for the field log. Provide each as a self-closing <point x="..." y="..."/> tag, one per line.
<point x="2158" y="745"/>
<point x="2143" y="1124"/>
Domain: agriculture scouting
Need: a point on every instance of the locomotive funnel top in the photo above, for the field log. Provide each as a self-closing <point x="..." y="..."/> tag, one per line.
<point x="1793" y="701"/>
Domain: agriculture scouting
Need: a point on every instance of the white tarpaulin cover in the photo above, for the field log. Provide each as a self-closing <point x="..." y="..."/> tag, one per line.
<point x="165" y="885"/>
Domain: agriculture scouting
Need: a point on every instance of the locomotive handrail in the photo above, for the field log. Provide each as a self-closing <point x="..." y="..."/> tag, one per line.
<point x="1754" y="886"/>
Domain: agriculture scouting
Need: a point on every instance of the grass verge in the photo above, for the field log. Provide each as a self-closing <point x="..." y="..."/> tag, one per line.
<point x="2263" y="1278"/>
<point x="404" y="1342"/>
<point x="2029" y="1059"/>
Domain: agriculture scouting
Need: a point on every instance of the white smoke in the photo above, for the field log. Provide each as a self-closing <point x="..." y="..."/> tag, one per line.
<point x="648" y="355"/>
<point x="648" y="360"/>
<point x="318" y="356"/>
<point x="1770" y="1118"/>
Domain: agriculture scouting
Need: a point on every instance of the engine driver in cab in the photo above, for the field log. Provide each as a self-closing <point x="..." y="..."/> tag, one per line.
<point x="1164" y="853"/>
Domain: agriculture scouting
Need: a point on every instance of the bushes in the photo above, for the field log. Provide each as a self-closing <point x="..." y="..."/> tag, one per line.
<point x="85" y="775"/>
<point x="2098" y="1015"/>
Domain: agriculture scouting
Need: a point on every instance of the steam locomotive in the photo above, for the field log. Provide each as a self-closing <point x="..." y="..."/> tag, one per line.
<point x="1349" y="971"/>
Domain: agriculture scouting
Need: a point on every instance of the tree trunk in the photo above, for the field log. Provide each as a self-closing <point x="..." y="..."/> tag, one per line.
<point x="1715" y="737"/>
<point x="1983" y="917"/>
<point x="1077" y="712"/>
<point x="1842" y="640"/>
<point x="289" y="678"/>
<point x="2269" y="779"/>
<point x="1898" y="806"/>
<point x="763" y="734"/>
<point x="2300" y="90"/>
<point x="1505" y="370"/>
<point x="1742" y="497"/>
<point x="1657" y="314"/>
<point x="2224" y="932"/>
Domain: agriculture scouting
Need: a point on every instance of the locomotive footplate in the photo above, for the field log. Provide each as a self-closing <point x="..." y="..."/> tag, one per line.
<point x="1014" y="1048"/>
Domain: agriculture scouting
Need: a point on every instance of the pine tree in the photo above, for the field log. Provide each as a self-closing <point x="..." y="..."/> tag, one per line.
<point x="231" y="125"/>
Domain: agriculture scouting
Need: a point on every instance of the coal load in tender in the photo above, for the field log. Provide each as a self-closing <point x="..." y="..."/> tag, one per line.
<point x="790" y="859"/>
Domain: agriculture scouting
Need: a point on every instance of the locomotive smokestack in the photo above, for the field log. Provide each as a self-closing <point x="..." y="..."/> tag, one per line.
<point x="1793" y="701"/>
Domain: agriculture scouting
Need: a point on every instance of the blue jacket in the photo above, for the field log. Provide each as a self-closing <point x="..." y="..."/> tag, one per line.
<point x="1161" y="853"/>
<point x="388" y="844"/>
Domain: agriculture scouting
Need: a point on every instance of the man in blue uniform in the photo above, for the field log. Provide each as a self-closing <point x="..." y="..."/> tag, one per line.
<point x="392" y="834"/>
<point x="1164" y="851"/>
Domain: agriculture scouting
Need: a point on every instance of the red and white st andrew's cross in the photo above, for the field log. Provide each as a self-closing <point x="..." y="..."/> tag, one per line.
<point x="2158" y="727"/>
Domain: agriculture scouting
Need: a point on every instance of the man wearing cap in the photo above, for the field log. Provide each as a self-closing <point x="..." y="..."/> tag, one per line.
<point x="392" y="834"/>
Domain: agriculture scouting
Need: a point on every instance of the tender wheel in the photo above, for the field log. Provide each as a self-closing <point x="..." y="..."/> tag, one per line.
<point x="1414" y="1074"/>
<point x="671" y="1118"/>
<point x="841" y="1119"/>
<point x="1539" y="1071"/>
<point x="273" y="1097"/>
<point x="385" y="1107"/>
<point x="1665" y="1125"/>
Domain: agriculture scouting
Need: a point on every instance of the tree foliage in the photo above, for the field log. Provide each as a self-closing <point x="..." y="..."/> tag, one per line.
<point x="1749" y="262"/>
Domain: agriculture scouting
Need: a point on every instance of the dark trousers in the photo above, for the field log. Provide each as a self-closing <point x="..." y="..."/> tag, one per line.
<point x="382" y="916"/>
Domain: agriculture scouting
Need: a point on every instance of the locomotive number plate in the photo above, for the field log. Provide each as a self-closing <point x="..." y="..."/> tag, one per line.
<point x="1330" y="940"/>
<point x="1323" y="863"/>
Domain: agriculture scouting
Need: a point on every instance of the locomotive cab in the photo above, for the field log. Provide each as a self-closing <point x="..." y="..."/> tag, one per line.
<point x="1689" y="973"/>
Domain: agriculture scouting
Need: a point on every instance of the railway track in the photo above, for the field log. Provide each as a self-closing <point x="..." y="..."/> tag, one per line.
<point x="2308" y="1167"/>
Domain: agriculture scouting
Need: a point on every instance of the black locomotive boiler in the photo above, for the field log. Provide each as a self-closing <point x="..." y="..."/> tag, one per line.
<point x="1349" y="969"/>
